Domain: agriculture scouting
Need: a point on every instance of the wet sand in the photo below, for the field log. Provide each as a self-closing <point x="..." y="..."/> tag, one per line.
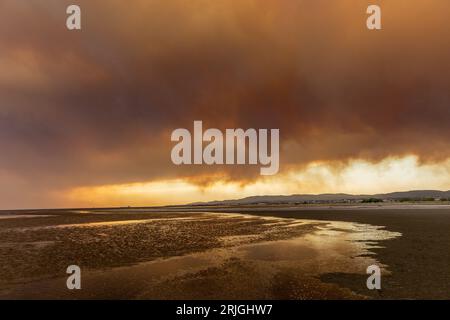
<point x="278" y="254"/>
<point x="419" y="260"/>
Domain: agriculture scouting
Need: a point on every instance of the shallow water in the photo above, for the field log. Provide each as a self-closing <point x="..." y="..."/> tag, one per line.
<point x="237" y="269"/>
<point x="21" y="216"/>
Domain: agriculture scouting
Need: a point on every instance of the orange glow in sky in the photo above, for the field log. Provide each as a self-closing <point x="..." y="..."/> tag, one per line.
<point x="358" y="177"/>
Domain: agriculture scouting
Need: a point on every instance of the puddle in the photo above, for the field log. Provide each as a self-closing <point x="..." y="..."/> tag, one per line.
<point x="109" y="223"/>
<point x="201" y="217"/>
<point x="34" y="244"/>
<point x="20" y="216"/>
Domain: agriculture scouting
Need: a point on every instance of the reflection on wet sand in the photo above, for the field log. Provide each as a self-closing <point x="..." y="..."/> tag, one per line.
<point x="278" y="262"/>
<point x="22" y="216"/>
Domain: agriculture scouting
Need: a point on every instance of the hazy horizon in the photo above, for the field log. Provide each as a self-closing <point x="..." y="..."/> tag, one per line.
<point x="124" y="205"/>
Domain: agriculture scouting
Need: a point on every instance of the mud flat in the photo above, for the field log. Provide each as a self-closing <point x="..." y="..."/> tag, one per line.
<point x="131" y="254"/>
<point x="418" y="261"/>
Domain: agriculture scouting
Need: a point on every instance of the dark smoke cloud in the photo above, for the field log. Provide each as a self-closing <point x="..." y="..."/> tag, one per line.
<point x="97" y="106"/>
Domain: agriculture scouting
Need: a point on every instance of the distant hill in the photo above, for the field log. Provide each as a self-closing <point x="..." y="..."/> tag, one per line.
<point x="333" y="197"/>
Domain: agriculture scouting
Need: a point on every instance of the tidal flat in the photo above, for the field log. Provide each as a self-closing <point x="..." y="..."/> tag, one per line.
<point x="232" y="254"/>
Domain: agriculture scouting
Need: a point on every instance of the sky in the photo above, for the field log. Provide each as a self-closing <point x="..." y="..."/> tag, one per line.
<point x="86" y="116"/>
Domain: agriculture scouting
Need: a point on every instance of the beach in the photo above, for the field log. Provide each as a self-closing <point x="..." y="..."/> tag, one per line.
<point x="225" y="253"/>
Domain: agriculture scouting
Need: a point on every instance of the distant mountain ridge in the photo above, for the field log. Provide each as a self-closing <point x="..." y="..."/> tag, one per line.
<point x="332" y="197"/>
